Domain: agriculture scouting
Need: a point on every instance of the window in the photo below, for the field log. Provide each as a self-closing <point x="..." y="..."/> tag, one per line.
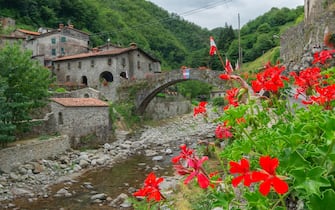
<point x="53" y="40"/>
<point x="53" y="51"/>
<point x="68" y="66"/>
<point x="150" y="67"/>
<point x="138" y="64"/>
<point x="67" y="78"/>
<point x="109" y="61"/>
<point x="58" y="67"/>
<point x="60" y="118"/>
<point x="123" y="62"/>
<point x="63" y="39"/>
<point x="92" y="63"/>
<point x="62" y="51"/>
<point x="79" y="65"/>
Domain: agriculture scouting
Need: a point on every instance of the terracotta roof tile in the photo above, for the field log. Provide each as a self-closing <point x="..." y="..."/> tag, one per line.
<point x="79" y="102"/>
<point x="29" y="32"/>
<point x="94" y="54"/>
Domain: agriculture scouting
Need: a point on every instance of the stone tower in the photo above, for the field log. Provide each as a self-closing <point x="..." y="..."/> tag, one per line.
<point x="315" y="8"/>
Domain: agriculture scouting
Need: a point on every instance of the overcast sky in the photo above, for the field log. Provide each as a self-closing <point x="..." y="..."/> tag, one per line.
<point x="215" y="13"/>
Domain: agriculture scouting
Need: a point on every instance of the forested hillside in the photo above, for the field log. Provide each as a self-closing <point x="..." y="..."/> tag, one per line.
<point x="167" y="36"/>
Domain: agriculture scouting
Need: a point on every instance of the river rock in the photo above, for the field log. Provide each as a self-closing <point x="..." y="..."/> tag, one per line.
<point x="22" y="192"/>
<point x="38" y="168"/>
<point x="119" y="200"/>
<point x="100" y="196"/>
<point x="63" y="193"/>
<point x="150" y="153"/>
<point x="83" y="163"/>
<point x="157" y="158"/>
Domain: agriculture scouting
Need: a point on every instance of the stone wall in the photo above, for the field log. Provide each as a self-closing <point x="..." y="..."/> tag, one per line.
<point x="82" y="121"/>
<point x="160" y="108"/>
<point x="38" y="149"/>
<point x="300" y="42"/>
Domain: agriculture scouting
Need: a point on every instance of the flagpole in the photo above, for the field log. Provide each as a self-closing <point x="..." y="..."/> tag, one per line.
<point x="222" y="62"/>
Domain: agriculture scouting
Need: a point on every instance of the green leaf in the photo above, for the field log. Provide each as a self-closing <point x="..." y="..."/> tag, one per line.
<point x="326" y="201"/>
<point x="293" y="160"/>
<point x="310" y="180"/>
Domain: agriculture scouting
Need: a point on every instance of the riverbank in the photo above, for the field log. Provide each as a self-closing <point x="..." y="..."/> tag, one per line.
<point x="33" y="180"/>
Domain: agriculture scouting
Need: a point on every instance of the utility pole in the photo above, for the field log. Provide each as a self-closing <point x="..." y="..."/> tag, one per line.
<point x="239" y="43"/>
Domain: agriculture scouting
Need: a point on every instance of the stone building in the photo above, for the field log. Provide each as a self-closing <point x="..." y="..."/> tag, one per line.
<point x="105" y="70"/>
<point x="6" y="22"/>
<point x="10" y="39"/>
<point x="64" y="41"/>
<point x="78" y="117"/>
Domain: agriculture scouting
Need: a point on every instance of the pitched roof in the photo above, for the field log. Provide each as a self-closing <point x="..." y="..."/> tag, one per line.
<point x="93" y="54"/>
<point x="80" y="102"/>
<point x="29" y="32"/>
<point x="116" y="51"/>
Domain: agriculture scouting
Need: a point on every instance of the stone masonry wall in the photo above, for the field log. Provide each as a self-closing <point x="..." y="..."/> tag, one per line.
<point x="160" y="108"/>
<point x="300" y="42"/>
<point x="39" y="149"/>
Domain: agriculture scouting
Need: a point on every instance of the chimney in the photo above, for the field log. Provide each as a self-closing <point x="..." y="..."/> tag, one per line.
<point x="61" y="26"/>
<point x="133" y="44"/>
<point x="70" y="26"/>
<point x="95" y="50"/>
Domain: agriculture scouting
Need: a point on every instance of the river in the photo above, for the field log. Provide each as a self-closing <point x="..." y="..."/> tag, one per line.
<point x="129" y="160"/>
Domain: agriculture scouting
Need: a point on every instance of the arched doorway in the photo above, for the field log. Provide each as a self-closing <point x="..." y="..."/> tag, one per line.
<point x="84" y="80"/>
<point x="123" y="75"/>
<point x="106" y="77"/>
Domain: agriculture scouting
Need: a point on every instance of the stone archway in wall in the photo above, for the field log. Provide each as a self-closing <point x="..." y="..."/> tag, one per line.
<point x="84" y="80"/>
<point x="106" y="77"/>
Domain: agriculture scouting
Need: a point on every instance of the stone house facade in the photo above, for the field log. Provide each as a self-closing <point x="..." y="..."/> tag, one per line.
<point x="78" y="117"/>
<point x="105" y="70"/>
<point x="64" y="41"/>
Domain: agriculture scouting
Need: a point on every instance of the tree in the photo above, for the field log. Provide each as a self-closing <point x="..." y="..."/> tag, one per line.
<point x="24" y="87"/>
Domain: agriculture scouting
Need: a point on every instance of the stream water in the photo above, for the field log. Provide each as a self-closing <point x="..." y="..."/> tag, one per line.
<point x="111" y="181"/>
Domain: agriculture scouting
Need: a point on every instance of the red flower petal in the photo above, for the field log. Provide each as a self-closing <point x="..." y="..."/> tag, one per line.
<point x="264" y="187"/>
<point x="279" y="185"/>
<point x="203" y="181"/>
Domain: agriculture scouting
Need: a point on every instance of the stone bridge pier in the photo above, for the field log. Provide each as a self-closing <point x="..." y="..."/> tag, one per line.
<point x="161" y="81"/>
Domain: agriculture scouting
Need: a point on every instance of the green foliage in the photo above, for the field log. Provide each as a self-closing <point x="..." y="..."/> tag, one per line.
<point x="24" y="88"/>
<point x="124" y="110"/>
<point x="194" y="89"/>
<point x="218" y="101"/>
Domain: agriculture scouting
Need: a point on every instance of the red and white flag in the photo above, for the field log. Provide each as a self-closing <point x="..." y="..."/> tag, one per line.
<point x="228" y="67"/>
<point x="213" y="48"/>
<point x="237" y="66"/>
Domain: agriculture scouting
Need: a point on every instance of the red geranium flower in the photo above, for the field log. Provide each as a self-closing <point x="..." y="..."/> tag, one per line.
<point x="306" y="79"/>
<point x="268" y="177"/>
<point x="243" y="169"/>
<point x="223" y="132"/>
<point x="224" y="76"/>
<point x="200" y="109"/>
<point x="198" y="171"/>
<point x="151" y="189"/>
<point x="270" y="79"/>
<point x="185" y="153"/>
<point x="323" y="56"/>
<point x="324" y="98"/>
<point x="231" y="97"/>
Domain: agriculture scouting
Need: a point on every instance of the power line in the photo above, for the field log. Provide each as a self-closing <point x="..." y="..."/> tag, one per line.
<point x="155" y="22"/>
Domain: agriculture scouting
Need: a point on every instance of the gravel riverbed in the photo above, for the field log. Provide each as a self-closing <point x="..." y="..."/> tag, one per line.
<point x="33" y="180"/>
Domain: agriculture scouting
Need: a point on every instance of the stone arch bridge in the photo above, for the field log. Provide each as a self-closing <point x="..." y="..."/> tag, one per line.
<point x="160" y="81"/>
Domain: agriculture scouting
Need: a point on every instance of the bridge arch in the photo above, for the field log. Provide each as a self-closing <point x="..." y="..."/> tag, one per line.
<point x="163" y="80"/>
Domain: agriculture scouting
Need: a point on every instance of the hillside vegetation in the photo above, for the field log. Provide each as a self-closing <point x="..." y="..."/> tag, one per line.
<point x="166" y="36"/>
